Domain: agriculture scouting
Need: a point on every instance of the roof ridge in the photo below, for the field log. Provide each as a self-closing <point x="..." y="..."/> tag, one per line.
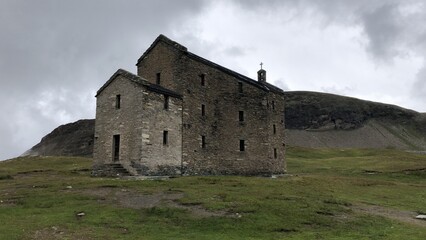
<point x="139" y="80"/>
<point x="178" y="46"/>
<point x="162" y="38"/>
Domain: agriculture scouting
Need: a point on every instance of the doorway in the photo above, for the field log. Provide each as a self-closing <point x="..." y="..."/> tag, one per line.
<point x="116" y="148"/>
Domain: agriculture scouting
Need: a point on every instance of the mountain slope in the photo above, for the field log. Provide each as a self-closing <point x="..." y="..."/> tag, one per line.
<point x="72" y="139"/>
<point x="326" y="120"/>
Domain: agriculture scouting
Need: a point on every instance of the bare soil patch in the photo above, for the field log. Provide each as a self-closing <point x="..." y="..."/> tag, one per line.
<point x="54" y="232"/>
<point x="399" y="215"/>
<point x="136" y="200"/>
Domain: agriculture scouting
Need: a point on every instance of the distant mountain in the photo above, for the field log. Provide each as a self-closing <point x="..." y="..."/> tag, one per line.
<point x="72" y="139"/>
<point x="316" y="119"/>
<point x="312" y="119"/>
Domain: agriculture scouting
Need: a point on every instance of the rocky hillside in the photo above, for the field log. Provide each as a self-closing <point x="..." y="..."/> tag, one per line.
<point x="72" y="139"/>
<point x="312" y="120"/>
<point x="325" y="120"/>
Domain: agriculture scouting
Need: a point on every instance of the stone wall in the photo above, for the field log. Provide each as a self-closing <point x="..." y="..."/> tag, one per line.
<point x="125" y="121"/>
<point x="220" y="124"/>
<point x="158" y="158"/>
<point x="140" y="122"/>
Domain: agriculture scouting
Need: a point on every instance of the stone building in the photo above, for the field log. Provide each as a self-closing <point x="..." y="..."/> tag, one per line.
<point x="183" y="114"/>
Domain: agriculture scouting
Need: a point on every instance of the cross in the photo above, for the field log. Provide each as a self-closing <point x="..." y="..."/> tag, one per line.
<point x="261" y="64"/>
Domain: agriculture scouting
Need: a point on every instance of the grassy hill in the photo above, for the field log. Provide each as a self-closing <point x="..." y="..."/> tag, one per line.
<point x="328" y="194"/>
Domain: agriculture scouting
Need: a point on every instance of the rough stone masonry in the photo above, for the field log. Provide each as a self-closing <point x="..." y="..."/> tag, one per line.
<point x="185" y="115"/>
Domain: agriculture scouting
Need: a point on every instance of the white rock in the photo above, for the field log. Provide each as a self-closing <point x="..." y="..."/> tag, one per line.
<point x="421" y="216"/>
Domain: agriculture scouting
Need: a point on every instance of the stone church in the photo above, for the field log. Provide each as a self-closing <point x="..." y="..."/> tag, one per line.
<point x="185" y="115"/>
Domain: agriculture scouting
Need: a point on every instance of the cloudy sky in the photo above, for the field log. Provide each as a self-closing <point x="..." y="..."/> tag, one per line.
<point x="55" y="54"/>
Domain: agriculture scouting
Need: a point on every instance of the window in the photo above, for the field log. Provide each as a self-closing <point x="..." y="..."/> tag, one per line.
<point x="158" y="78"/>
<point x="275" y="153"/>
<point x="165" y="137"/>
<point x="242" y="146"/>
<point x="275" y="128"/>
<point x="166" y="102"/>
<point x="203" y="79"/>
<point x="117" y="101"/>
<point x="273" y="105"/>
<point x="240" y="87"/>
<point x="241" y="116"/>
<point x="203" y="141"/>
<point x="203" y="110"/>
<point x="115" y="148"/>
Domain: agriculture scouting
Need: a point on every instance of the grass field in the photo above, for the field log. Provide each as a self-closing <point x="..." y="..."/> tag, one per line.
<point x="327" y="194"/>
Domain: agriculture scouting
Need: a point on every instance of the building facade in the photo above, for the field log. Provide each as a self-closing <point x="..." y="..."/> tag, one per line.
<point x="183" y="114"/>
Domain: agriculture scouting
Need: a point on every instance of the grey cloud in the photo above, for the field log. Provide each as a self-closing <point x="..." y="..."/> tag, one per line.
<point x="235" y="51"/>
<point x="281" y="83"/>
<point x="384" y="28"/>
<point x="383" y="22"/>
<point x="419" y="87"/>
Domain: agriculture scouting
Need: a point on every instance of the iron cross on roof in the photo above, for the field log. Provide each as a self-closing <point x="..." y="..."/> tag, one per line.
<point x="261" y="64"/>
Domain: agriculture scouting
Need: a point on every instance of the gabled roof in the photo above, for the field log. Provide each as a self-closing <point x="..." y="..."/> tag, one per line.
<point x="184" y="50"/>
<point x="141" y="81"/>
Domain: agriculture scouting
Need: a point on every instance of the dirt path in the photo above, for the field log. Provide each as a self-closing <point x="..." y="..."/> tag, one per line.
<point x="399" y="215"/>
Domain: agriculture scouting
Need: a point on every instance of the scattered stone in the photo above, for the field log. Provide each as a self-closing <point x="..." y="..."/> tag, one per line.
<point x="69" y="187"/>
<point x="81" y="214"/>
<point x="421" y="217"/>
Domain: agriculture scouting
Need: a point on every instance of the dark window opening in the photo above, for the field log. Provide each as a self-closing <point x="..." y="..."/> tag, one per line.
<point x="275" y="128"/>
<point x="203" y="79"/>
<point x="203" y="110"/>
<point x="116" y="148"/>
<point x="240" y="87"/>
<point x="275" y="153"/>
<point x="158" y="78"/>
<point x="203" y="141"/>
<point x="166" y="102"/>
<point x="118" y="101"/>
<point x="242" y="146"/>
<point x="165" y="137"/>
<point x="273" y="105"/>
<point x="241" y="116"/>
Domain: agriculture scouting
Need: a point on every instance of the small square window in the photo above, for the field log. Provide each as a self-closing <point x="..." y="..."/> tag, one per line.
<point x="165" y="137"/>
<point x="241" y="116"/>
<point x="118" y="101"/>
<point x="242" y="146"/>
<point x="166" y="102"/>
<point x="158" y="78"/>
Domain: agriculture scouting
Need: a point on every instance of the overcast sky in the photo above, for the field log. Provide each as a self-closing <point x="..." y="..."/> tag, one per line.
<point x="54" y="55"/>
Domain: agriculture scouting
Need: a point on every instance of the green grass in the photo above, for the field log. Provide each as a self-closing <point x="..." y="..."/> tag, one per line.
<point x="40" y="199"/>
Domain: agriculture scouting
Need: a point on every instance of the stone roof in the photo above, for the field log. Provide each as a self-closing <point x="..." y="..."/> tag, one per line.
<point x="141" y="81"/>
<point x="265" y="86"/>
